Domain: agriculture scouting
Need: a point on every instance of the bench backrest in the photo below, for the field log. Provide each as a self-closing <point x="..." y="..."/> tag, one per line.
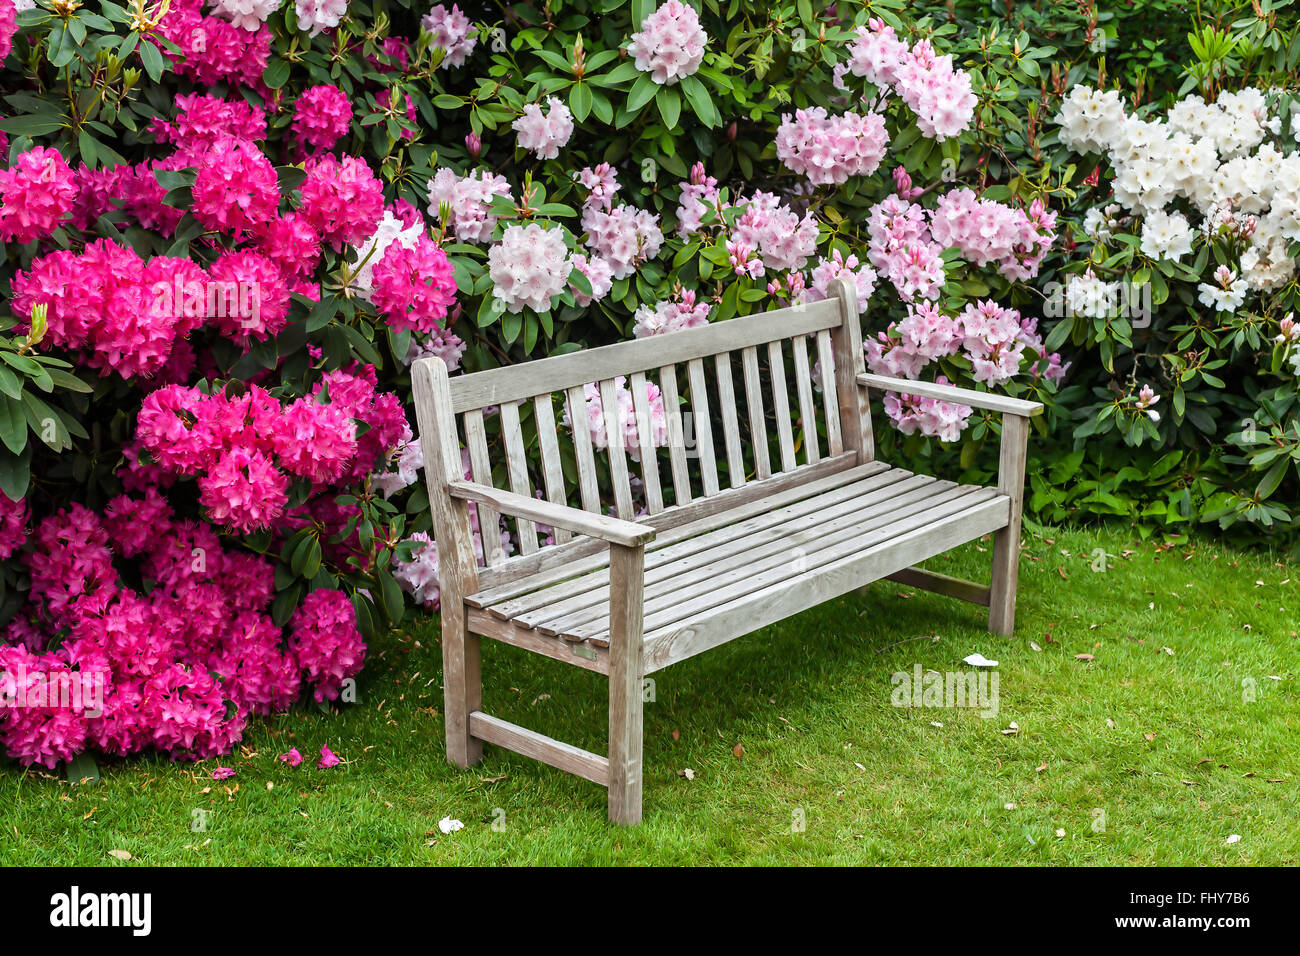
<point x="716" y="409"/>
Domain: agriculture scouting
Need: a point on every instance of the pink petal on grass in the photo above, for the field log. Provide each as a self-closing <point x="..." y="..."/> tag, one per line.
<point x="327" y="759"/>
<point x="223" y="773"/>
<point x="292" y="758"/>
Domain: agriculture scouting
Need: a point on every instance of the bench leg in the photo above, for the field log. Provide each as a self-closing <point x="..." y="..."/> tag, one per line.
<point x="462" y="680"/>
<point x="1002" y="592"/>
<point x="1006" y="543"/>
<point x="625" y="695"/>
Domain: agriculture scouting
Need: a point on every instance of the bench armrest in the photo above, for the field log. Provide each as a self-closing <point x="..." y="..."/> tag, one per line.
<point x="951" y="393"/>
<point x="613" y="530"/>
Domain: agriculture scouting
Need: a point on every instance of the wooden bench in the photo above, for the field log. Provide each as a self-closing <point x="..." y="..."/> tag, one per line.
<point x="793" y="512"/>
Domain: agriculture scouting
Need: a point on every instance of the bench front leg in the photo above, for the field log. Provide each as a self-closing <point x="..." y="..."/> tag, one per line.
<point x="626" y="579"/>
<point x="1006" y="542"/>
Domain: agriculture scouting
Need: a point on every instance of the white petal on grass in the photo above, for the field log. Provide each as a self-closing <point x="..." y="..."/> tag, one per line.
<point x="448" y="825"/>
<point x="979" y="660"/>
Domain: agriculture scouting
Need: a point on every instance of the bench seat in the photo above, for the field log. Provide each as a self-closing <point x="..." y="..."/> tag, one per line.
<point x="724" y="575"/>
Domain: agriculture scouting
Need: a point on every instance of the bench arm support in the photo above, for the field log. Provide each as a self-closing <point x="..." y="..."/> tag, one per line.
<point x="951" y="393"/>
<point x="614" y="530"/>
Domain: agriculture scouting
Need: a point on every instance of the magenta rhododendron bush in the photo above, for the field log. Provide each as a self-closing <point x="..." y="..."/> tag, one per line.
<point x="229" y="227"/>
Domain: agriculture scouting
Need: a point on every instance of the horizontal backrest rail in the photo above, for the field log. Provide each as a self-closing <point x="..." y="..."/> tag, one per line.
<point x="514" y="383"/>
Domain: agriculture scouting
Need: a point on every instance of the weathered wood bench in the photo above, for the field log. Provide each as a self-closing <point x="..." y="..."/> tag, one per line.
<point x="803" y="519"/>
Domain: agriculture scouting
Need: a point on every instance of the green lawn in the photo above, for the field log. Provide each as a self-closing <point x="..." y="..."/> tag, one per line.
<point x="1150" y="753"/>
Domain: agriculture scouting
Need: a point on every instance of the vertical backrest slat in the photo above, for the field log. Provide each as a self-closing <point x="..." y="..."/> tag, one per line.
<point x="517" y="469"/>
<point x="645" y="440"/>
<point x="549" y="446"/>
<point x="618" y="475"/>
<point x="583" y="456"/>
<point x="730" y="420"/>
<point x="807" y="408"/>
<point x="703" y="427"/>
<point x="676" y="437"/>
<point x="830" y="400"/>
<point x="781" y="405"/>
<point x="855" y="404"/>
<point x="480" y="469"/>
<point x="757" y="422"/>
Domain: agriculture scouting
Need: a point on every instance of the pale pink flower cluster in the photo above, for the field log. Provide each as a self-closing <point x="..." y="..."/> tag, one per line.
<point x="911" y="414"/>
<point x="470" y="200"/>
<point x="627" y="419"/>
<point x="624" y="236"/>
<point x="529" y="267"/>
<point x="993" y="339"/>
<point x="316" y="16"/>
<point x="247" y="14"/>
<point x="544" y="133"/>
<point x="670" y="44"/>
<point x="671" y="315"/>
<point x="938" y="94"/>
<point x="452" y="33"/>
<point x="599" y="275"/>
<point x="827" y="270"/>
<point x="601" y="183"/>
<point x="829" y="149"/>
<point x="985" y="232"/>
<point x="902" y="250"/>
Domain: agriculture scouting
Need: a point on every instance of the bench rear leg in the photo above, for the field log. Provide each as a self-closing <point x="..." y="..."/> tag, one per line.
<point x="1006" y="542"/>
<point x="625" y="695"/>
<point x="462" y="679"/>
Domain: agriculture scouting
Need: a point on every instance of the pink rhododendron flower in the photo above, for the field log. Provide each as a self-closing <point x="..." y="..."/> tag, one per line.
<point x="292" y="757"/>
<point x="544" y="133"/>
<point x="8" y="26"/>
<point x="214" y="50"/>
<point x="325" y="640"/>
<point x="601" y="183"/>
<point x="202" y="120"/>
<point x="223" y="773"/>
<point x="251" y="295"/>
<point x="327" y="759"/>
<point x="13" y="525"/>
<point x="314" y="441"/>
<point x="863" y="278"/>
<point x="243" y="490"/>
<point x="452" y="32"/>
<point x="877" y="54"/>
<point x="343" y="200"/>
<point x="414" y="287"/>
<point x="34" y="194"/>
<point x="235" y="188"/>
<point x="670" y="44"/>
<point x="323" y="115"/>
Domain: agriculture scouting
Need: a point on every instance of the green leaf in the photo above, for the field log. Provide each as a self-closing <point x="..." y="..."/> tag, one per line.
<point x="15" y="473"/>
<point x="580" y="100"/>
<point x="13" y="424"/>
<point x="670" y="106"/>
<point x="643" y="91"/>
<point x="152" y="59"/>
<point x="82" y="769"/>
<point x="276" y="73"/>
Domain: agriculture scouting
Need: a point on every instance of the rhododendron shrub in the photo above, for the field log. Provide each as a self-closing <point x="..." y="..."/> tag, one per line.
<point x="230" y="227"/>
<point x="1185" y="282"/>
